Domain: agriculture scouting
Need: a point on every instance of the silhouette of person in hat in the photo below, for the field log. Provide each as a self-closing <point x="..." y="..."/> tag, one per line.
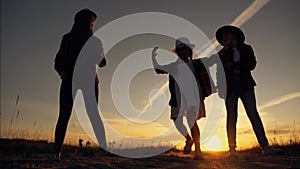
<point x="238" y="60"/>
<point x="189" y="84"/>
<point x="65" y="60"/>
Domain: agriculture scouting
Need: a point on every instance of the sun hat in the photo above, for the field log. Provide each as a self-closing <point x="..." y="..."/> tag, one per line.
<point x="240" y="37"/>
<point x="181" y="42"/>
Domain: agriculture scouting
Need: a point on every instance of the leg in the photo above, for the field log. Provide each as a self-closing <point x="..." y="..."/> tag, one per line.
<point x="192" y="122"/>
<point x="249" y="101"/>
<point x="231" y="108"/>
<point x="96" y="91"/>
<point x="182" y="128"/>
<point x="202" y="112"/>
<point x="196" y="136"/>
<point x="65" y="109"/>
<point x="93" y="114"/>
<point x="178" y="121"/>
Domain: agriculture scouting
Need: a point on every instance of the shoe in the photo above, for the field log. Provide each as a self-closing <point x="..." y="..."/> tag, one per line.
<point x="198" y="156"/>
<point x="188" y="147"/>
<point x="268" y="150"/>
<point x="58" y="155"/>
<point x="231" y="154"/>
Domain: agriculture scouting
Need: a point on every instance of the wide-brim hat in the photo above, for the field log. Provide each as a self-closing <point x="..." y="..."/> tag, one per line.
<point x="181" y="42"/>
<point x="240" y="37"/>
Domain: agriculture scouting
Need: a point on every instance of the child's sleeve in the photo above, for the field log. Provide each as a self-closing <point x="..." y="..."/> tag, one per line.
<point x="160" y="69"/>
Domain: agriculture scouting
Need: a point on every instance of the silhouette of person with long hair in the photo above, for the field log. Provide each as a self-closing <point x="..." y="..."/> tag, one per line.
<point x="70" y="48"/>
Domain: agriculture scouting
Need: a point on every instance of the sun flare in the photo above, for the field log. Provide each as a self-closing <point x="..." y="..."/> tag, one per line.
<point x="213" y="144"/>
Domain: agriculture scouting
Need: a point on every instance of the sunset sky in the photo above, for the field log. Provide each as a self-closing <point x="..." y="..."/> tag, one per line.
<point x="31" y="33"/>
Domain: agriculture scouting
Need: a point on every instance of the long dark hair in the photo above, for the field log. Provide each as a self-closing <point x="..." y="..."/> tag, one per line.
<point x="78" y="36"/>
<point x="81" y="27"/>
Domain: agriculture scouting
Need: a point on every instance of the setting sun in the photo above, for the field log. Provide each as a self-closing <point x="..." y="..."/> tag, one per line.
<point x="213" y="144"/>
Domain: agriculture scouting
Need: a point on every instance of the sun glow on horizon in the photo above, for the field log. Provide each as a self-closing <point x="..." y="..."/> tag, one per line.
<point x="214" y="144"/>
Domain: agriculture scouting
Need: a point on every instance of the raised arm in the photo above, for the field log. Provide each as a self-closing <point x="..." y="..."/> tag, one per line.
<point x="158" y="68"/>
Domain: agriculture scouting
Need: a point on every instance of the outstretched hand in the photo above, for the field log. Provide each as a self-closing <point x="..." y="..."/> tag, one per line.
<point x="154" y="52"/>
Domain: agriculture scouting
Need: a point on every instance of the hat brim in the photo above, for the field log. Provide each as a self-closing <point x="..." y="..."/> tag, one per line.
<point x="229" y="28"/>
<point x="192" y="46"/>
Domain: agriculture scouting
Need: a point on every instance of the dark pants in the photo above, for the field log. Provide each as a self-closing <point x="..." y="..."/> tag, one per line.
<point x="65" y="109"/>
<point x="247" y="97"/>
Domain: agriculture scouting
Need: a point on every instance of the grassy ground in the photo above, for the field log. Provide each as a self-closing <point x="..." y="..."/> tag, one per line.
<point x="19" y="153"/>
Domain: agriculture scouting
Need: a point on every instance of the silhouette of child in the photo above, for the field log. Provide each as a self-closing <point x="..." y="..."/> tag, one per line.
<point x="189" y="83"/>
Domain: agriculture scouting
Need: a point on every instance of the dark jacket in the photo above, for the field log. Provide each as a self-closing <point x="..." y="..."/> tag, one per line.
<point x="205" y="85"/>
<point x="68" y="52"/>
<point x="246" y="65"/>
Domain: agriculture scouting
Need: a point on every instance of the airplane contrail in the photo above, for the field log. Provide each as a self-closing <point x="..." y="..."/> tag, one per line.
<point x="162" y="88"/>
<point x="246" y="15"/>
<point x="279" y="100"/>
<point x="249" y="12"/>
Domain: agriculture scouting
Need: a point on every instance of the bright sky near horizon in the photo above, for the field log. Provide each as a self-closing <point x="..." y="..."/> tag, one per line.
<point x="31" y="32"/>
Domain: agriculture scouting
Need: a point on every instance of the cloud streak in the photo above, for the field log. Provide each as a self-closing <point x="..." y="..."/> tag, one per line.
<point x="249" y="12"/>
<point x="163" y="88"/>
<point x="246" y="15"/>
<point x="279" y="100"/>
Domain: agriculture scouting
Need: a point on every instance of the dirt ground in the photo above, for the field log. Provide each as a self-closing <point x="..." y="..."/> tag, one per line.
<point x="37" y="154"/>
<point x="167" y="160"/>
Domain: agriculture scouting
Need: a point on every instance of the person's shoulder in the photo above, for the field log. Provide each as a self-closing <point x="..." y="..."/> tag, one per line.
<point x="245" y="45"/>
<point x="95" y="39"/>
<point x="223" y="51"/>
<point x="197" y="61"/>
<point x="66" y="36"/>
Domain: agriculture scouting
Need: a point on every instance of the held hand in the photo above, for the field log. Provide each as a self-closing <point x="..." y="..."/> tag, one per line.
<point x="154" y="52"/>
<point x="221" y="94"/>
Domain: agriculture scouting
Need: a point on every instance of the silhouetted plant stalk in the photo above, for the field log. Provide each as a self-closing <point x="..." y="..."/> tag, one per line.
<point x="13" y="115"/>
